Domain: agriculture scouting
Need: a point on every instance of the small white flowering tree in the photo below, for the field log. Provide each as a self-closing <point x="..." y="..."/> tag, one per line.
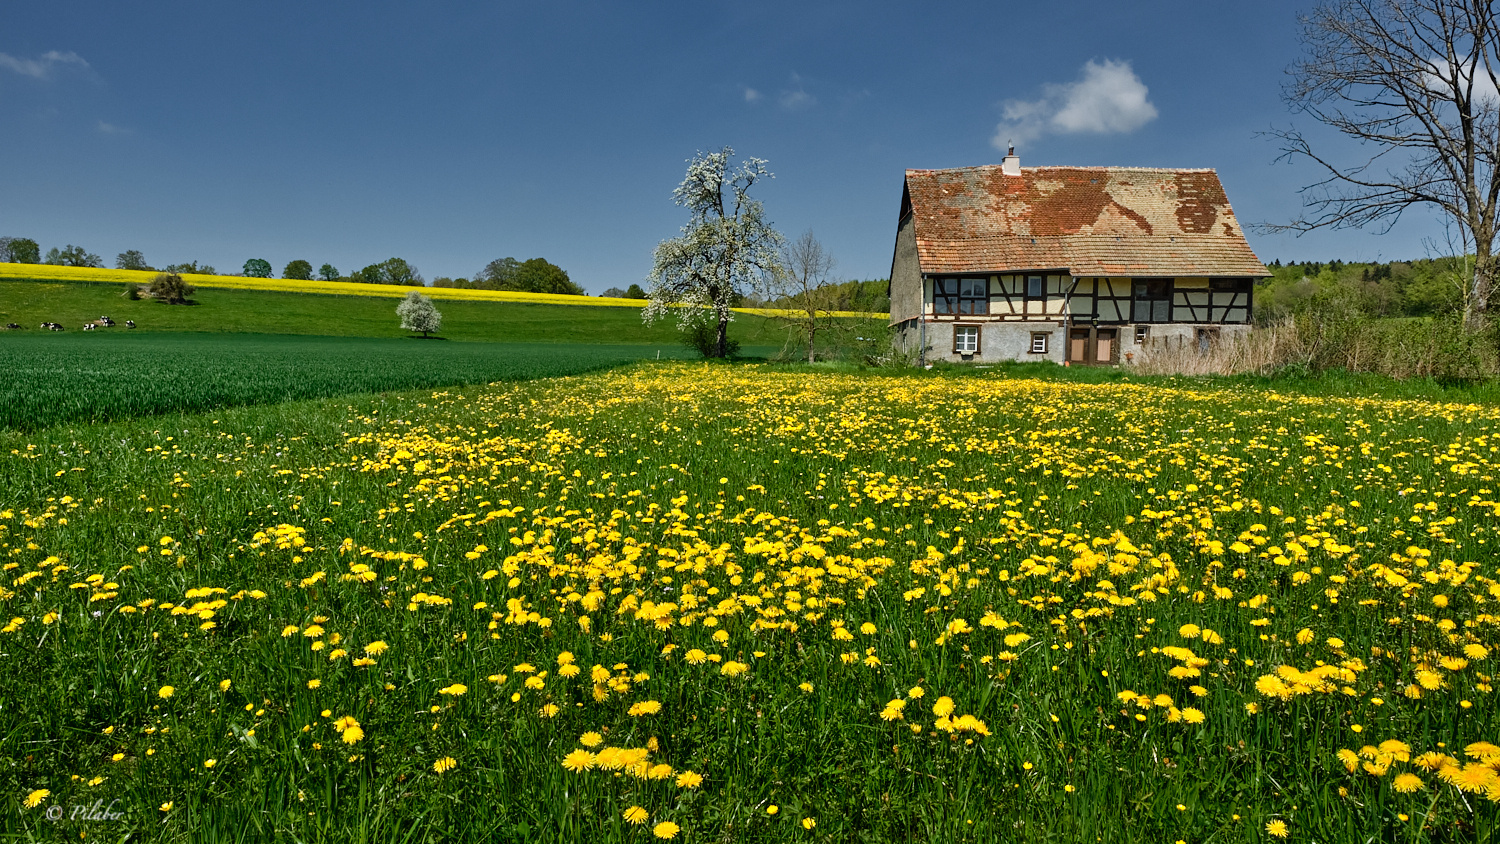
<point x="419" y="314"/>
<point x="726" y="247"/>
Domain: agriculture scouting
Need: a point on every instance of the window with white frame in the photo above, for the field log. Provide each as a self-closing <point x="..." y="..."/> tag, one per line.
<point x="966" y="339"/>
<point x="1039" y="342"/>
<point x="1036" y="287"/>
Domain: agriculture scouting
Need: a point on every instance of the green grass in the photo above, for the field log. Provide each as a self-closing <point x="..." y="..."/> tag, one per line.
<point x="1031" y="548"/>
<point x="216" y="310"/>
<point x="115" y="375"/>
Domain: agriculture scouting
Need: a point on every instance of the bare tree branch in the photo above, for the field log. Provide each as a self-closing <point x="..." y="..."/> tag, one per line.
<point x="1419" y="82"/>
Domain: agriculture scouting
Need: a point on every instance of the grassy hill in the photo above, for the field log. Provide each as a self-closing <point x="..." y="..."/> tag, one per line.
<point x="72" y="303"/>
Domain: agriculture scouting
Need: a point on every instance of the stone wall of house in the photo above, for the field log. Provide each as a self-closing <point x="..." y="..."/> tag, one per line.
<point x="907" y="288"/>
<point x="1001" y="341"/>
<point x="998" y="341"/>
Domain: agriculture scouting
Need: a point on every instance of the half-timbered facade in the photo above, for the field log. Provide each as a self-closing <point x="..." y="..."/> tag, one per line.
<point x="1088" y="265"/>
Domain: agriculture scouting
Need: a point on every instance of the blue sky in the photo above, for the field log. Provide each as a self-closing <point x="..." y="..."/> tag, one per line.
<point x="452" y="133"/>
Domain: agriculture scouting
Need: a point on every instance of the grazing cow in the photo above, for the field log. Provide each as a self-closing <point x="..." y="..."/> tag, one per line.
<point x="106" y="321"/>
<point x="130" y="323"/>
<point x="10" y="326"/>
<point x="89" y="326"/>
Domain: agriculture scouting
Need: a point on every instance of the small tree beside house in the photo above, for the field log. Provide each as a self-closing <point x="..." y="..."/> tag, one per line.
<point x="803" y="290"/>
<point x="418" y="313"/>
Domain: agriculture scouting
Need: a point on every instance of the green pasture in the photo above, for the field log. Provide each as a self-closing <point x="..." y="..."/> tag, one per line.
<point x="216" y="310"/>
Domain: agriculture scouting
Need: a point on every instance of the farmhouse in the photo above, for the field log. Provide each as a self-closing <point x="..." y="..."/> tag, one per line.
<point x="1085" y="265"/>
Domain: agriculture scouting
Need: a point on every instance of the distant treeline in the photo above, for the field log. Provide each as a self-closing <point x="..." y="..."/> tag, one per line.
<point x="869" y="296"/>
<point x="536" y="275"/>
<point x="1421" y="288"/>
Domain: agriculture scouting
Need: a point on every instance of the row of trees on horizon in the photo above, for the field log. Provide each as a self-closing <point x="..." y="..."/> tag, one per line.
<point x="535" y="275"/>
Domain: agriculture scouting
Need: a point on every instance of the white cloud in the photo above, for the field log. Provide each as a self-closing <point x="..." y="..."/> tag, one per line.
<point x="41" y="68"/>
<point x="752" y="95"/>
<point x="1485" y="92"/>
<point x="796" y="97"/>
<point x="1106" y="98"/>
<point x="793" y="100"/>
<point x="111" y="129"/>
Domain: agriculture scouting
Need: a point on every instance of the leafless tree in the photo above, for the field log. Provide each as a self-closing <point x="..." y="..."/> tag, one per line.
<point x="802" y="290"/>
<point x="1415" y="81"/>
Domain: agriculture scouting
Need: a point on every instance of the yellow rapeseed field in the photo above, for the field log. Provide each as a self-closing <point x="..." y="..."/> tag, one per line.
<point x="746" y="603"/>
<point x="49" y="272"/>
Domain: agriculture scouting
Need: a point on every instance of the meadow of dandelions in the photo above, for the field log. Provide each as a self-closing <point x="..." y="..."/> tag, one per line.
<point x="698" y="602"/>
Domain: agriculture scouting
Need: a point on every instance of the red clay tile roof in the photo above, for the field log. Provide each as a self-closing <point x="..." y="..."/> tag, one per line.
<point x="1093" y="221"/>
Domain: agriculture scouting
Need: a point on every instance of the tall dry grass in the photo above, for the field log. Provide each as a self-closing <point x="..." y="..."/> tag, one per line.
<point x="1429" y="348"/>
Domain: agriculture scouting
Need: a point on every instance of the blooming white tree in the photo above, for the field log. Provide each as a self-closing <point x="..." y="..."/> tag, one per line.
<point x="419" y="314"/>
<point x="726" y="247"/>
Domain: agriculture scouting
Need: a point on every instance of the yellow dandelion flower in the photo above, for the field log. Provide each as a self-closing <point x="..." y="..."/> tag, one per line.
<point x="166" y="807"/>
<point x="314" y="683"/>
<point x="1408" y="782"/>
<point x="1481" y="750"/>
<point x="943" y="707"/>
<point x="455" y="690"/>
<point x="35" y="798"/>
<point x="645" y="707"/>
<point x="1189" y="631"/>
<point x="590" y="739"/>
<point x="809" y="823"/>
<point x="915" y="692"/>
<point x="665" y="829"/>
<point x="1396" y="749"/>
<point x="1474" y="777"/>
<point x="579" y="760"/>
<point x="376" y="648"/>
<point x="444" y="765"/>
<point x="688" y="779"/>
<point x="1192" y="715"/>
<point x="772" y="809"/>
<point x="636" y="815"/>
<point x="1277" y="828"/>
<point x="166" y="692"/>
<point x="1433" y="761"/>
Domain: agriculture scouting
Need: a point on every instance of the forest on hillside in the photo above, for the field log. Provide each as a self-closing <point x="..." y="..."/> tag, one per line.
<point x="1430" y="287"/>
